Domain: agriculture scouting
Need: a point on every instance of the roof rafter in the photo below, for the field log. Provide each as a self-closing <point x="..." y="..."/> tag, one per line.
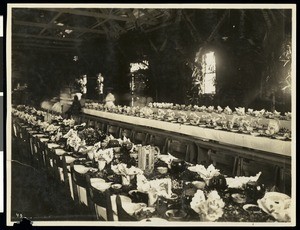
<point x="46" y="37"/>
<point x="64" y="27"/>
<point x="87" y="13"/>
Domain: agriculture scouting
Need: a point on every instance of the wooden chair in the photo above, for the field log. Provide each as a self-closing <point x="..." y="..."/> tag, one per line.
<point x="125" y="132"/>
<point x="139" y="137"/>
<point x="60" y="169"/>
<point x="181" y="149"/>
<point x="98" y="198"/>
<point x="270" y="172"/>
<point x="122" y="214"/>
<point x="100" y="125"/>
<point x="79" y="184"/>
<point x="38" y="153"/>
<point x="225" y="161"/>
<point x="159" y="141"/>
<point x="49" y="159"/>
<point x="113" y="130"/>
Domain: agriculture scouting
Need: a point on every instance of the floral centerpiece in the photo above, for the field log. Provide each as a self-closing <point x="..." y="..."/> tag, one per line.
<point x="205" y="173"/>
<point x="209" y="207"/>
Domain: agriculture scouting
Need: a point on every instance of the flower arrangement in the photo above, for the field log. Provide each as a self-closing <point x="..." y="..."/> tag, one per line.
<point x="205" y="173"/>
<point x="146" y="112"/>
<point x="182" y="117"/>
<point x="82" y="82"/>
<point x="227" y="110"/>
<point x="194" y="119"/>
<point x="210" y="207"/>
<point x="105" y="154"/>
<point x="122" y="169"/>
<point x="68" y="122"/>
<point x="90" y="135"/>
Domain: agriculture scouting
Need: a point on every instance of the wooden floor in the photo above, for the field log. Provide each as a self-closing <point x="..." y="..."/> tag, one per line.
<point x="37" y="197"/>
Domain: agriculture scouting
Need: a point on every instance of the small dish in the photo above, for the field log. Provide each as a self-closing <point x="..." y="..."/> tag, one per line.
<point x="162" y="170"/>
<point x="154" y="219"/>
<point x="238" y="198"/>
<point x="116" y="186"/>
<point x="199" y="184"/>
<point x="234" y="130"/>
<point x="280" y="138"/>
<point x="252" y="208"/>
<point x="255" y="134"/>
<point x="176" y="214"/>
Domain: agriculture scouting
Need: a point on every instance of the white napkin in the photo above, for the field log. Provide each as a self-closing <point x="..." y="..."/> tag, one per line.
<point x="240" y="182"/>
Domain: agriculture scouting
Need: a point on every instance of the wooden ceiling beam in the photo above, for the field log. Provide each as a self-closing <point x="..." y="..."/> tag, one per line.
<point x="41" y="46"/>
<point x="54" y="26"/>
<point x="52" y="21"/>
<point x="39" y="41"/>
<point x="87" y="13"/>
<point x="158" y="27"/>
<point x="46" y="37"/>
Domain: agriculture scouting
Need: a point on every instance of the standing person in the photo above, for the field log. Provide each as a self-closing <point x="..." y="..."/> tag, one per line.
<point x="75" y="108"/>
<point x="109" y="99"/>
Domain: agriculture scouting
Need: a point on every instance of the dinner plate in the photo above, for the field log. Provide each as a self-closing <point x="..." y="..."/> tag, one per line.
<point x="132" y="208"/>
<point x="70" y="159"/>
<point x="272" y="199"/>
<point x="280" y="138"/>
<point x="39" y="135"/>
<point x="81" y="169"/>
<point x="100" y="185"/>
<point x="154" y="219"/>
<point x="218" y="127"/>
<point x="52" y="145"/>
<point x="44" y="139"/>
<point x="234" y="130"/>
<point x="60" y="152"/>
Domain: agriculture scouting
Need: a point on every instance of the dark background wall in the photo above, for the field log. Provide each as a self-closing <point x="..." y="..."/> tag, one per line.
<point x="247" y="56"/>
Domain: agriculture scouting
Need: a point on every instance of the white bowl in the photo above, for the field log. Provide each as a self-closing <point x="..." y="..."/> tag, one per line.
<point x="162" y="170"/>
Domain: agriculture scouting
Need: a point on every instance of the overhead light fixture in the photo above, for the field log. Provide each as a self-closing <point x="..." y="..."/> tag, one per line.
<point x="60" y="24"/>
<point x="68" y="31"/>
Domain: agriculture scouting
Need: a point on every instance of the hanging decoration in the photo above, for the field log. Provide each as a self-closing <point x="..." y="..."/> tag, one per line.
<point x="82" y="82"/>
<point x="138" y="79"/>
<point x="100" y="84"/>
<point x="285" y="58"/>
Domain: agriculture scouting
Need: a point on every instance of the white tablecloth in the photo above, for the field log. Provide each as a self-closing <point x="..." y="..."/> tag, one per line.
<point x="238" y="139"/>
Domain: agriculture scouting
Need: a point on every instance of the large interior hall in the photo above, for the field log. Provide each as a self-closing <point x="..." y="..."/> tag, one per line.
<point x="151" y="113"/>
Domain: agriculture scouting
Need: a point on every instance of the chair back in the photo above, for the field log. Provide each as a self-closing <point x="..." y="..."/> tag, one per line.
<point x="139" y="137"/>
<point x="113" y="130"/>
<point x="122" y="214"/>
<point x="157" y="140"/>
<point x="99" y="198"/>
<point x="179" y="149"/>
<point x="124" y="132"/>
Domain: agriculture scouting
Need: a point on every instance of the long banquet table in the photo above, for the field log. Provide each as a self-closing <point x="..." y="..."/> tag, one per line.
<point x="237" y="139"/>
<point x="233" y="212"/>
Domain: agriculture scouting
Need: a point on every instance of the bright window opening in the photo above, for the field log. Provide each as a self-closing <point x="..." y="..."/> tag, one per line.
<point x="209" y="73"/>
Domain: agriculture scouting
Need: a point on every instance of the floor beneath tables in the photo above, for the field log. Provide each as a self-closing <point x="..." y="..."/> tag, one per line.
<point x="37" y="197"/>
